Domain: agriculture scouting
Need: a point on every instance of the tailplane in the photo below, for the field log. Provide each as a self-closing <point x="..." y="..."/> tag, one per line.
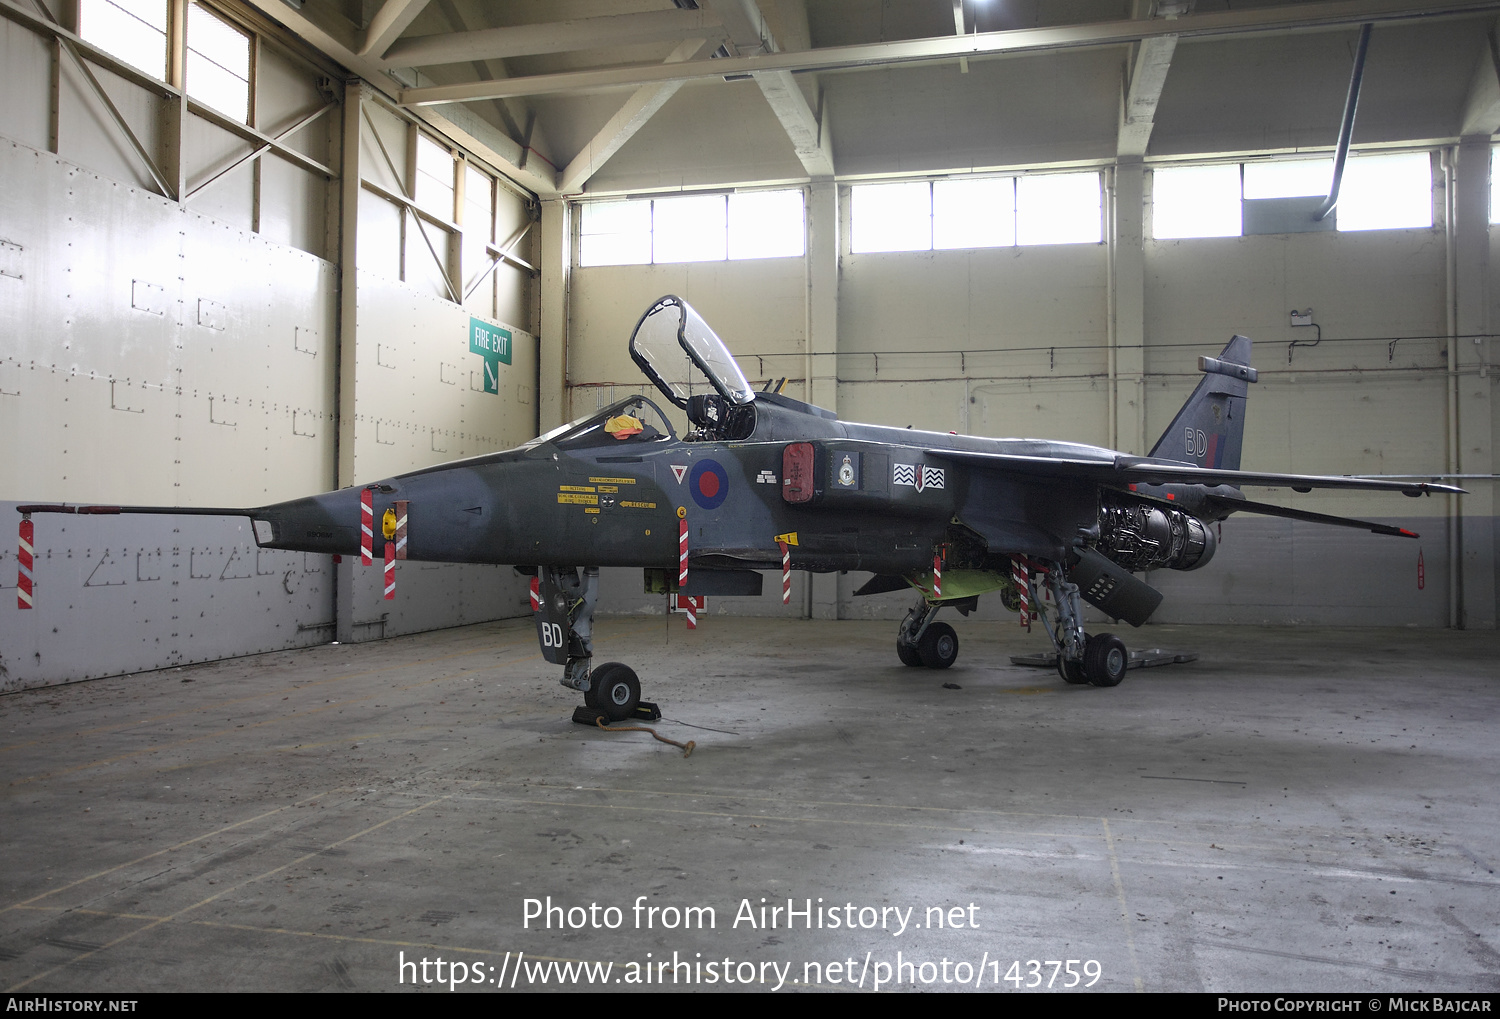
<point x="1209" y="430"/>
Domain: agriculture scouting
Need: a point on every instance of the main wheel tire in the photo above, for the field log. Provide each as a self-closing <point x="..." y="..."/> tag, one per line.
<point x="1105" y="660"/>
<point x="1071" y="672"/>
<point x="908" y="654"/>
<point x="614" y="690"/>
<point x="938" y="646"/>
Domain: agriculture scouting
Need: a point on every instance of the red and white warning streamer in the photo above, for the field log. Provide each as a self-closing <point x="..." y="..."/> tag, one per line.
<point x="23" y="573"/>
<point x="401" y="508"/>
<point x="786" y="573"/>
<point x="937" y="575"/>
<point x="682" y="547"/>
<point x="366" y="527"/>
<point x="536" y="593"/>
<point x="390" y="571"/>
<point x="1021" y="577"/>
<point x="691" y="606"/>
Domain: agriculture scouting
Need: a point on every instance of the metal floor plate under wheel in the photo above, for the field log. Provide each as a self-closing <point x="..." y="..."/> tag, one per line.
<point x="1144" y="659"/>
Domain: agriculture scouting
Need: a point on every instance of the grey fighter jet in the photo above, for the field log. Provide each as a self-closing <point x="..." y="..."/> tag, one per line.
<point x="765" y="482"/>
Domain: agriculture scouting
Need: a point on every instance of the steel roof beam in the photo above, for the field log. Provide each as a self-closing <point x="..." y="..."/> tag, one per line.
<point x="1323" y="14"/>
<point x="554" y="37"/>
<point x="386" y="26"/>
<point x="620" y="128"/>
<point x="321" y="28"/>
<point x="749" y="34"/>
<point x="1153" y="58"/>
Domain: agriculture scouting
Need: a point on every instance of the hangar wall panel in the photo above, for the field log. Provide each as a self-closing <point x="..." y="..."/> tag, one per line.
<point x="420" y="394"/>
<point x="1353" y="404"/>
<point x="172" y="354"/>
<point x="125" y="594"/>
<point x="997" y="342"/>
<point x="420" y="400"/>
<point x="154" y="356"/>
<point x="160" y="356"/>
<point x="27" y="61"/>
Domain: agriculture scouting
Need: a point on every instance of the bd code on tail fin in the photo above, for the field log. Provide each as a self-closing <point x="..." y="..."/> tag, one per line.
<point x="1209" y="430"/>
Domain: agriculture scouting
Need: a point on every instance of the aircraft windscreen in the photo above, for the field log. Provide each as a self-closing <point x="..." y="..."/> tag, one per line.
<point x="682" y="355"/>
<point x="631" y="421"/>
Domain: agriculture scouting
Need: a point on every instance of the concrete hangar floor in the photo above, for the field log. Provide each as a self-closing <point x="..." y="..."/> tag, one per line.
<point x="1301" y="809"/>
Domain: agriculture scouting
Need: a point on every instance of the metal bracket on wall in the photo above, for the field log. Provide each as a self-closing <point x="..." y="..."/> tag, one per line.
<point x="10" y="260"/>
<point x="214" y="420"/>
<point x="114" y="402"/>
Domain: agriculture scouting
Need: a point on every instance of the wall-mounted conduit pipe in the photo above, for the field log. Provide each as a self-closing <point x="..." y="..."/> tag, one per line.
<point x="1346" y="128"/>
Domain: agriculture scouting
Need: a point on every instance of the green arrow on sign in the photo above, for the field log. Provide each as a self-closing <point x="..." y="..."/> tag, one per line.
<point x="493" y="344"/>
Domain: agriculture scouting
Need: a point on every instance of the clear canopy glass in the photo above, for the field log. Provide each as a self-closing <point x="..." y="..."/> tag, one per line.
<point x="682" y="355"/>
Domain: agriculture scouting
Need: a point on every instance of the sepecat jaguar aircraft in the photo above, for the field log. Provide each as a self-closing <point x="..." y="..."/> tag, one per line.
<point x="765" y="482"/>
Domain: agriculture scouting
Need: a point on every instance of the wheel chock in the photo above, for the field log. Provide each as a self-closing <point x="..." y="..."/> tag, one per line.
<point x="645" y="711"/>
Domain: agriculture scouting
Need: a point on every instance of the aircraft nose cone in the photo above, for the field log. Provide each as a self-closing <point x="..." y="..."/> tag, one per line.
<point x="328" y="523"/>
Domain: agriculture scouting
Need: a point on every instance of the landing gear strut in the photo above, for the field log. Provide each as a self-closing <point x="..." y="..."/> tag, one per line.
<point x="920" y="641"/>
<point x="1096" y="659"/>
<point x="565" y="629"/>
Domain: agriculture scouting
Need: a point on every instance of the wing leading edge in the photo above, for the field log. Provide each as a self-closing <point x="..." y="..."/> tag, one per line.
<point x="1126" y="470"/>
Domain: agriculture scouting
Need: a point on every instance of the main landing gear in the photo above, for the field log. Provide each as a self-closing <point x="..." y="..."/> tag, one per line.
<point x="1098" y="659"/>
<point x="565" y="629"/>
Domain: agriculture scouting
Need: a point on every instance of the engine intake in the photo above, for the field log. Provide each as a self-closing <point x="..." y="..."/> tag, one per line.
<point x="1140" y="535"/>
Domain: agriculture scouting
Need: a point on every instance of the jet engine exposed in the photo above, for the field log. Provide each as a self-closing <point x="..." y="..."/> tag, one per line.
<point x="1140" y="535"/>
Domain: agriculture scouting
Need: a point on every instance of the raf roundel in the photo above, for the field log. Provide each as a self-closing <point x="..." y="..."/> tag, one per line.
<point x="709" y="484"/>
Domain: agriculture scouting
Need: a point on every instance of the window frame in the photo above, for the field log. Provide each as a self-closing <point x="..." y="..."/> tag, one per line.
<point x="1015" y="241"/>
<point x="1245" y="165"/>
<point x="581" y="235"/>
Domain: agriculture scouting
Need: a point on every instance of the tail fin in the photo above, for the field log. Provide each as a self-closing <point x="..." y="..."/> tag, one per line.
<point x="1209" y="430"/>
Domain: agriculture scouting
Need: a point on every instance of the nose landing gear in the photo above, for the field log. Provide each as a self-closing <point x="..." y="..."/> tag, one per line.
<point x="564" y="601"/>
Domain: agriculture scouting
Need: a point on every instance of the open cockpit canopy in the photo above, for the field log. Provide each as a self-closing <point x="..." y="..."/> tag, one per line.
<point x="682" y="355"/>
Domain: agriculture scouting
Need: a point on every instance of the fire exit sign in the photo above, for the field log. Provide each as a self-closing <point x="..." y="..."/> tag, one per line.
<point x="493" y="344"/>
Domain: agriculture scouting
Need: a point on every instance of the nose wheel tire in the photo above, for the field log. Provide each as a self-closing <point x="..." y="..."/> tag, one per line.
<point x="939" y="646"/>
<point x="1105" y="660"/>
<point x="613" y="689"/>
